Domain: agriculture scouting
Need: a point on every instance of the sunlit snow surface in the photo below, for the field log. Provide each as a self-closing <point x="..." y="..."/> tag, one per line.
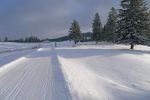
<point x="85" y="72"/>
<point x="107" y="72"/>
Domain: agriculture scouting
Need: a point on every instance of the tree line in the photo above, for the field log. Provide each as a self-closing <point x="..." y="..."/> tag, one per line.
<point x="130" y="25"/>
<point x="31" y="39"/>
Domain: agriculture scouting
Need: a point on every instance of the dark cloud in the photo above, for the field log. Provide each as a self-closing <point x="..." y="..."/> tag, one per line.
<point x="49" y="18"/>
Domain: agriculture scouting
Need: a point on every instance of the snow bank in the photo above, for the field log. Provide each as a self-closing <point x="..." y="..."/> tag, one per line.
<point x="107" y="73"/>
<point x="7" y="67"/>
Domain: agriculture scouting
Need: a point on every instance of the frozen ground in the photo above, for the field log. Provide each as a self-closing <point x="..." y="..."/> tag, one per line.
<point x="85" y="72"/>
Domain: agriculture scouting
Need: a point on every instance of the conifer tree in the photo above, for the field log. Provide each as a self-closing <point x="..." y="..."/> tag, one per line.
<point x="133" y="26"/>
<point x="104" y="33"/>
<point x="110" y="27"/>
<point x="74" y="32"/>
<point x="148" y="40"/>
<point x="97" y="28"/>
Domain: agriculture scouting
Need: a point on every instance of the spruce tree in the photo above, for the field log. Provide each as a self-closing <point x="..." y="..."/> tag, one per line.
<point x="148" y="40"/>
<point x="74" y="32"/>
<point x="133" y="26"/>
<point x="97" y="28"/>
<point x="110" y="27"/>
<point x="104" y="33"/>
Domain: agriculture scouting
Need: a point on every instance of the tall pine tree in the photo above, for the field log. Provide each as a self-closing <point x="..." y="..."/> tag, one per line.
<point x="110" y="27"/>
<point x="97" y="28"/>
<point x="74" y="32"/>
<point x="133" y="26"/>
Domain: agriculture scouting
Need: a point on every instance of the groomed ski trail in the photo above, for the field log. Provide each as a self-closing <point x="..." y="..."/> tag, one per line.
<point x="36" y="76"/>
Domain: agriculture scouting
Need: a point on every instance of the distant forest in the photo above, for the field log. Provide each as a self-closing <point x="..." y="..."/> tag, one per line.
<point x="34" y="39"/>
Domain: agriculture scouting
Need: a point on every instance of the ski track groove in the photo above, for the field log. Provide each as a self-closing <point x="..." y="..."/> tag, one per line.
<point x="19" y="76"/>
<point x="49" y="84"/>
<point x="23" y="81"/>
<point x="46" y="86"/>
<point x="20" y="85"/>
<point x="56" y="67"/>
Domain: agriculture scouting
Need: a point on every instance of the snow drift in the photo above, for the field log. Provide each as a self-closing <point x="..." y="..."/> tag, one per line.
<point x="104" y="73"/>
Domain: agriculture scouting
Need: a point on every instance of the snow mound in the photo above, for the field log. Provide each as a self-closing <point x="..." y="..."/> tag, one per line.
<point x="107" y="73"/>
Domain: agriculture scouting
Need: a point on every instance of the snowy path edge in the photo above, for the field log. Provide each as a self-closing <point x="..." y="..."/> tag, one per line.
<point x="57" y="64"/>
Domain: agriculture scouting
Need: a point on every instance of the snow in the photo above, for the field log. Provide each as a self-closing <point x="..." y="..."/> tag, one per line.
<point x="84" y="72"/>
<point x="10" y="46"/>
<point x="6" y="58"/>
<point x="107" y="72"/>
<point x="36" y="76"/>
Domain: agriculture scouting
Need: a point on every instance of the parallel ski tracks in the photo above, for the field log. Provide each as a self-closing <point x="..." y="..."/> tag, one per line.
<point x="37" y="77"/>
<point x="18" y="83"/>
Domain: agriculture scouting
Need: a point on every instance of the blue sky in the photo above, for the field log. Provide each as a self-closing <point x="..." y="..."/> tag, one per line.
<point x="49" y="18"/>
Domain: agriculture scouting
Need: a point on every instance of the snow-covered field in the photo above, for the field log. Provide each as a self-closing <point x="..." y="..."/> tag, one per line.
<point x="106" y="74"/>
<point x="85" y="72"/>
<point x="9" y="46"/>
